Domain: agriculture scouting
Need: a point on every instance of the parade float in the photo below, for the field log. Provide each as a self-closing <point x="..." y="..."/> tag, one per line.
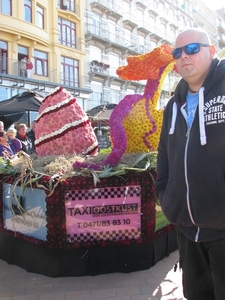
<point x="69" y="210"/>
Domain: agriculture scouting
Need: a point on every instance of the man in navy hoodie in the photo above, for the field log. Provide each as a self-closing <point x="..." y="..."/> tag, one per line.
<point x="191" y="165"/>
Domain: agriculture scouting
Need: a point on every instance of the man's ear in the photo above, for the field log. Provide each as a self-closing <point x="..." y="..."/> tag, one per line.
<point x="212" y="50"/>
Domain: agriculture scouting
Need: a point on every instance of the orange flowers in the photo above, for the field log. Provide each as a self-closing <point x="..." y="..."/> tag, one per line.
<point x="146" y="66"/>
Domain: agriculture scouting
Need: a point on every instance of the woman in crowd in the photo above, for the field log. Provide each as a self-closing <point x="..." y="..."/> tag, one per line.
<point x="22" y="136"/>
<point x="9" y="149"/>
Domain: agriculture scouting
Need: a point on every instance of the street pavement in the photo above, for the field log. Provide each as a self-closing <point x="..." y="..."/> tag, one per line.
<point x="158" y="282"/>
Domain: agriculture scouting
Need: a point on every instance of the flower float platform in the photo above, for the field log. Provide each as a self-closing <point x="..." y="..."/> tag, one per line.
<point x="82" y="228"/>
<point x="98" y="215"/>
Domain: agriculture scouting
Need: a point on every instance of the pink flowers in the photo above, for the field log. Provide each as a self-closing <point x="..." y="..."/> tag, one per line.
<point x="63" y="127"/>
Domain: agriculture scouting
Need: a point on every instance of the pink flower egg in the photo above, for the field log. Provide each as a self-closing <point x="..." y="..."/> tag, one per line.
<point x="63" y="127"/>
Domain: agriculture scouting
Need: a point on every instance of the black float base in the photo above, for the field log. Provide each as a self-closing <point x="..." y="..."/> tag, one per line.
<point x="85" y="261"/>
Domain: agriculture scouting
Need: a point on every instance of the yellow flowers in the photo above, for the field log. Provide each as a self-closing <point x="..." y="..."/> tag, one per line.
<point x="135" y="123"/>
<point x="144" y="121"/>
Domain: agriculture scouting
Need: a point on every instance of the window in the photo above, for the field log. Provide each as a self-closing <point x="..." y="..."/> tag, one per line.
<point x="6" y="7"/>
<point x="172" y="34"/>
<point x="28" y="10"/>
<point x="96" y="24"/>
<point x="114" y="63"/>
<point x="22" y="54"/>
<point x="112" y="30"/>
<point x="69" y="71"/>
<point x="95" y="53"/>
<point x="39" y="16"/>
<point x="67" y="33"/>
<point x="161" y="7"/>
<point x="154" y="44"/>
<point x="67" y="5"/>
<point x="189" y="23"/>
<point x="96" y="99"/>
<point x="140" y="16"/>
<point x="40" y="63"/>
<point x="110" y="3"/>
<point x="22" y="51"/>
<point x="142" y="44"/>
<point x="126" y="7"/>
<point x="3" y="57"/>
<point x="115" y="94"/>
<point x="152" y="22"/>
<point x="127" y="37"/>
<point x="182" y="23"/>
<point x="96" y="96"/>
<point x="163" y="28"/>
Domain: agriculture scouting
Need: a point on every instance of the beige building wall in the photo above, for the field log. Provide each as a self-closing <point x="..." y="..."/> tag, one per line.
<point x="17" y="32"/>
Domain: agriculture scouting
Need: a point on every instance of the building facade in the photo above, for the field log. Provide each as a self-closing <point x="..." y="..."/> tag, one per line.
<point x="48" y="33"/>
<point x="115" y="29"/>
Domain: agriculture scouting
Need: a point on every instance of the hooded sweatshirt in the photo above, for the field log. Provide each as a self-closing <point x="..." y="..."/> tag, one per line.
<point x="191" y="162"/>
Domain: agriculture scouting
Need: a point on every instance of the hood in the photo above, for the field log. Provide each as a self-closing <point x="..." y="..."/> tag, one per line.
<point x="216" y="72"/>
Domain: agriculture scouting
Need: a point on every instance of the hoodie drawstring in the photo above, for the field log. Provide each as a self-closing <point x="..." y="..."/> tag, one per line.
<point x="174" y="117"/>
<point x="201" y="117"/>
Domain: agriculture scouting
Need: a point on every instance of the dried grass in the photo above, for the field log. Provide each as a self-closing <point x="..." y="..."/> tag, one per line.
<point x="62" y="164"/>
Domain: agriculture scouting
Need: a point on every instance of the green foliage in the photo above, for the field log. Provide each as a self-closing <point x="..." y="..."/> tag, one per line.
<point x="161" y="220"/>
<point x="5" y="166"/>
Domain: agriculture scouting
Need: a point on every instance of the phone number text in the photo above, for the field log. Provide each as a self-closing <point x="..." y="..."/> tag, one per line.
<point x="103" y="223"/>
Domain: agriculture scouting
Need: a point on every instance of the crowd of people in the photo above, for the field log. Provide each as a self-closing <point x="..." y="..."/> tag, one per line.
<point x="17" y="139"/>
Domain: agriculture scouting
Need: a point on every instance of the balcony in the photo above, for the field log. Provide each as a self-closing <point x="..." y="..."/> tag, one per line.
<point x="143" y="27"/>
<point x="142" y="4"/>
<point x="75" y="42"/>
<point x="153" y="9"/>
<point x="173" y="23"/>
<point x="167" y="39"/>
<point x="40" y="80"/>
<point x="112" y="40"/>
<point x="164" y="18"/>
<point x="12" y="67"/>
<point x="129" y="21"/>
<point x="99" y="67"/>
<point x="108" y="7"/>
<point x="156" y="33"/>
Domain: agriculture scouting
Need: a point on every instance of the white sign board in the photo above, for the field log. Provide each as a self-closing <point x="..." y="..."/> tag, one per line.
<point x="25" y="212"/>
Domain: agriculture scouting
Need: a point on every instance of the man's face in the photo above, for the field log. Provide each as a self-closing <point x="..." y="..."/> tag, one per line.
<point x="194" y="67"/>
<point x="22" y="131"/>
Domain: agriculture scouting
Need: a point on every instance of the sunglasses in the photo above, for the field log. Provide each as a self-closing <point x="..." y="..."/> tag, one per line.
<point x="189" y="49"/>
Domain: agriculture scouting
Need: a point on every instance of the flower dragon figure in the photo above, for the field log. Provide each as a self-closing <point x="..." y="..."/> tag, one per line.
<point x="135" y="123"/>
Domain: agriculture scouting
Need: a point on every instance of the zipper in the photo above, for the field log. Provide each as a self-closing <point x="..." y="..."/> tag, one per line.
<point x="188" y="132"/>
<point x="186" y="179"/>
